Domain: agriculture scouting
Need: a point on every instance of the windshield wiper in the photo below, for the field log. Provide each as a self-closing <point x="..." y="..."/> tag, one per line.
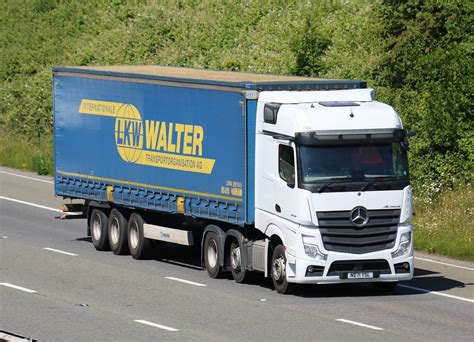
<point x="367" y="185"/>
<point x="322" y="187"/>
<point x="330" y="186"/>
<point x="375" y="185"/>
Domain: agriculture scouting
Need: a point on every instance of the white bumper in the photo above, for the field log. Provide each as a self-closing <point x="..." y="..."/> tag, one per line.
<point x="297" y="265"/>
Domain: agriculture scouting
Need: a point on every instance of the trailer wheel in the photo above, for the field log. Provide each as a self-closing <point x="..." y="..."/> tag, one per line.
<point x="278" y="269"/>
<point x="118" y="232"/>
<point x="239" y="273"/>
<point x="137" y="243"/>
<point x="211" y="255"/>
<point x="98" y="227"/>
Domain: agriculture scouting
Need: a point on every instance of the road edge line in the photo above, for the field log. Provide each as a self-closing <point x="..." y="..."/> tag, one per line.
<point x="444" y="263"/>
<point x="436" y="293"/>
<point x="27" y="177"/>
<point x="30" y="204"/>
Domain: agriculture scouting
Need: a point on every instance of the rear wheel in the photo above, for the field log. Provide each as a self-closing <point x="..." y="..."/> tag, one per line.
<point x="239" y="273"/>
<point x="137" y="243"/>
<point x="118" y="232"/>
<point x="212" y="255"/>
<point x="98" y="227"/>
<point x="278" y="270"/>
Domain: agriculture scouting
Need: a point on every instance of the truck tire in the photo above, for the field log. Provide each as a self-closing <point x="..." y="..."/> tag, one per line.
<point x="118" y="227"/>
<point x="278" y="271"/>
<point x="239" y="273"/>
<point x="98" y="226"/>
<point x="137" y="243"/>
<point x="212" y="255"/>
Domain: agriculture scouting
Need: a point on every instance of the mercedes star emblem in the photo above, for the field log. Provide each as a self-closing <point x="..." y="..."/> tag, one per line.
<point x="359" y="216"/>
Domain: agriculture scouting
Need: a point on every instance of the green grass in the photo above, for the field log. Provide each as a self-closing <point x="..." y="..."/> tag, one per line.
<point x="446" y="226"/>
<point x="32" y="155"/>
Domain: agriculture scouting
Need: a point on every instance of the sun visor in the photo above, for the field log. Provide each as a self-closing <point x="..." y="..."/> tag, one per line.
<point x="375" y="136"/>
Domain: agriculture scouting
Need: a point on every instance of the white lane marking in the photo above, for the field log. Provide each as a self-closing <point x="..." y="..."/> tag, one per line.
<point x="59" y="251"/>
<point x="32" y="178"/>
<point x="358" y="324"/>
<point x="164" y="327"/>
<point x="185" y="281"/>
<point x="30" y="204"/>
<point x="444" y="263"/>
<point x="436" y="293"/>
<point x="24" y="289"/>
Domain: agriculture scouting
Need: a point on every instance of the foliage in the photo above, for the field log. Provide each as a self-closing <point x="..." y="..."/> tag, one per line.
<point x="417" y="54"/>
<point x="18" y="152"/>
<point x="445" y="226"/>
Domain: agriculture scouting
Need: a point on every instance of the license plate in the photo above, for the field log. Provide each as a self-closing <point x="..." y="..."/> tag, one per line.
<point x="360" y="275"/>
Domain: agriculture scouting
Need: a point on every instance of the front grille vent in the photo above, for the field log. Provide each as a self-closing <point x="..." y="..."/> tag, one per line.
<point x="339" y="234"/>
<point x="339" y="267"/>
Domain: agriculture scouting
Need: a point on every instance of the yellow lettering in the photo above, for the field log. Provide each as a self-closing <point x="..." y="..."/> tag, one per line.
<point x="171" y="146"/>
<point x="179" y="128"/>
<point x="188" y="139"/>
<point x="162" y="138"/>
<point x="197" y="140"/>
<point x="151" y="133"/>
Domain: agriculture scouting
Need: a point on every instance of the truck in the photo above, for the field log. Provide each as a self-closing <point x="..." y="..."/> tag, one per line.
<point x="303" y="179"/>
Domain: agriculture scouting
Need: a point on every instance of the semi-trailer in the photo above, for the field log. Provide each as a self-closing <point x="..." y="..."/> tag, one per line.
<point x="303" y="179"/>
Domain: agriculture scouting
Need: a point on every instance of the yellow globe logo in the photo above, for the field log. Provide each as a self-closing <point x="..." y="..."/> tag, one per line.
<point x="129" y="133"/>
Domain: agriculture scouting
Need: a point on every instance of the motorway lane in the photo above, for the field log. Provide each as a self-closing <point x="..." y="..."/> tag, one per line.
<point x="120" y="286"/>
<point x="119" y="290"/>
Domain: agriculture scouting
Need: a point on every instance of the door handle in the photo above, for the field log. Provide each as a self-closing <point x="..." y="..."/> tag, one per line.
<point x="277" y="208"/>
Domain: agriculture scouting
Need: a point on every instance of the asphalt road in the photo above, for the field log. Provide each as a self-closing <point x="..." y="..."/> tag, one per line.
<point x="90" y="295"/>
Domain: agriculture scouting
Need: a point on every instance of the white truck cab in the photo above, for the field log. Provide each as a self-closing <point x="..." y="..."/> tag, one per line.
<point x="332" y="188"/>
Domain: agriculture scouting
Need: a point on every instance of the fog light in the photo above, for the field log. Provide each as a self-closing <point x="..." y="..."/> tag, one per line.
<point x="310" y="269"/>
<point x="404" y="247"/>
<point x="406" y="265"/>
<point x="314" y="252"/>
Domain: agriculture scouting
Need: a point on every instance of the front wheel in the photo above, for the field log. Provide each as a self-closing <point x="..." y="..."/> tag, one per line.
<point x="212" y="255"/>
<point x="279" y="271"/>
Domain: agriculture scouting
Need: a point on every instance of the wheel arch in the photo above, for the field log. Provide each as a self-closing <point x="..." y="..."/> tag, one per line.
<point x="276" y="238"/>
<point x="234" y="234"/>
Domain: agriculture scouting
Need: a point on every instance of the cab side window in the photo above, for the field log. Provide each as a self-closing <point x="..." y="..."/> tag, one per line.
<point x="286" y="163"/>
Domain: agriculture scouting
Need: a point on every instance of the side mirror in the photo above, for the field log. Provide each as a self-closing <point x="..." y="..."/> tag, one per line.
<point x="291" y="184"/>
<point x="411" y="134"/>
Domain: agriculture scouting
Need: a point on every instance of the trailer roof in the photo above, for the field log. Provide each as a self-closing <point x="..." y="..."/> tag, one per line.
<point x="213" y="77"/>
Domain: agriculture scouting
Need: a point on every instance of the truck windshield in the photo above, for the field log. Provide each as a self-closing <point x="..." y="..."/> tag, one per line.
<point x="359" y="163"/>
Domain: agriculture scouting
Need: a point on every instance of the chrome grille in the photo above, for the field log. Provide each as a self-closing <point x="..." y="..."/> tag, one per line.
<point x="339" y="234"/>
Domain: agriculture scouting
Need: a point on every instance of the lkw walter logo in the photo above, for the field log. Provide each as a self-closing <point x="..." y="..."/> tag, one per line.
<point x="154" y="143"/>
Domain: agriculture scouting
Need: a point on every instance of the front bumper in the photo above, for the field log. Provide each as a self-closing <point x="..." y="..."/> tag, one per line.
<point x="297" y="265"/>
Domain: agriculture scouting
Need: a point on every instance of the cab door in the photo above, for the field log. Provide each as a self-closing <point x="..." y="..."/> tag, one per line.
<point x="286" y="195"/>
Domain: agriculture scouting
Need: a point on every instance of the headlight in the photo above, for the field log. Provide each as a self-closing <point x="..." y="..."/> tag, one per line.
<point x="407" y="205"/>
<point x="314" y="252"/>
<point x="404" y="246"/>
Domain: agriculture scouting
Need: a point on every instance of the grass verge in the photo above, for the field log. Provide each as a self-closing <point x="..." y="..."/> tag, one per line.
<point x="446" y="226"/>
<point x="32" y="155"/>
